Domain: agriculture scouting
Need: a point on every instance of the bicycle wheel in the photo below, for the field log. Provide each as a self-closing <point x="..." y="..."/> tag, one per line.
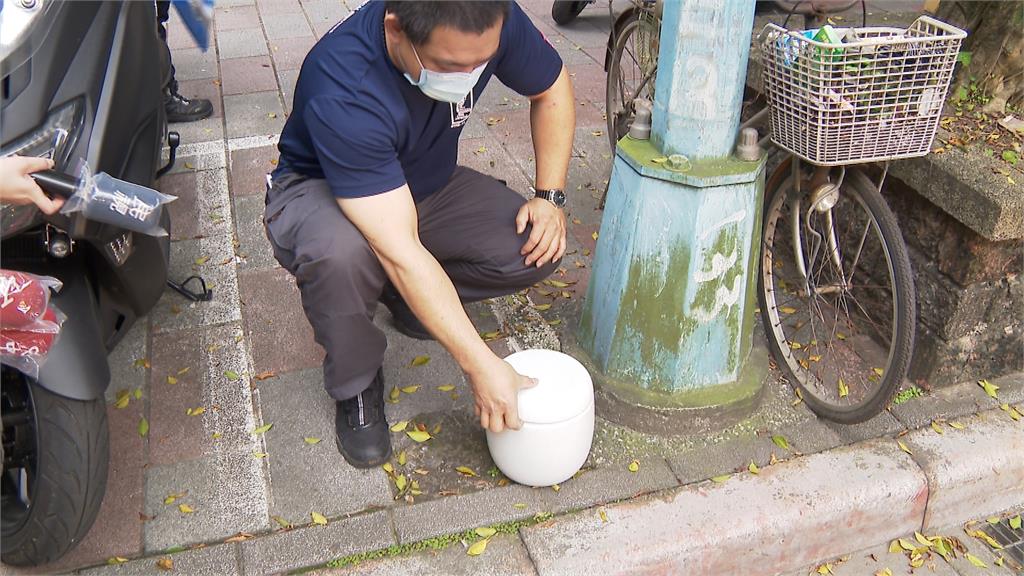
<point x="632" y="72"/>
<point x="837" y="294"/>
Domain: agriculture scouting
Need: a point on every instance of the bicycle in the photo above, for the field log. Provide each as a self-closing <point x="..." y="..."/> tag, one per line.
<point x="835" y="285"/>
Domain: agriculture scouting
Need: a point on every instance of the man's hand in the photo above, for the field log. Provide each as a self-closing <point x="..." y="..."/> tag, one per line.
<point x="496" y="390"/>
<point x="547" y="238"/>
<point x="17" y="187"/>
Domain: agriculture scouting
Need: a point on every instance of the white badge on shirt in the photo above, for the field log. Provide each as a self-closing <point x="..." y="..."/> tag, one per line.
<point x="461" y="112"/>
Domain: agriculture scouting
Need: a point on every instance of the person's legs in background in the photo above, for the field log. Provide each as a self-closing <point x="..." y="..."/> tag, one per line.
<point x="179" y="108"/>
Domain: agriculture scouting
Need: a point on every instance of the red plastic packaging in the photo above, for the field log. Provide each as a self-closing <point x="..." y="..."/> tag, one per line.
<point x="23" y="298"/>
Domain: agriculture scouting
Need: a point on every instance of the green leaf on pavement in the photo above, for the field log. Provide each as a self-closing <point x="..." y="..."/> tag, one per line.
<point x="311" y="440"/>
<point x="781" y="442"/>
<point x="123" y="398"/>
<point x="906" y="544"/>
<point x="992" y="520"/>
<point x="262" y="429"/>
<point x="231" y="375"/>
<point x="281" y="522"/>
<point x="318" y="518"/>
<point x="1015" y="522"/>
<point x="420" y="360"/>
<point x="634" y="466"/>
<point x="143" y="427"/>
<point x="753" y="468"/>
<point x="720" y="479"/>
<point x="401" y="482"/>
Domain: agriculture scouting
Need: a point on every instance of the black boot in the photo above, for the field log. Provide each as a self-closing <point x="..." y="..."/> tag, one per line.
<point x="361" y="427"/>
<point x="405" y="320"/>
<point x="181" y="109"/>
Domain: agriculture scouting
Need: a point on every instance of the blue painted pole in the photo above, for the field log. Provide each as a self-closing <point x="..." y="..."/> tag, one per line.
<point x="668" y="320"/>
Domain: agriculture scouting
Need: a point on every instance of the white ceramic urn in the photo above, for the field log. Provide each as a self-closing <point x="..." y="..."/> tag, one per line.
<point x="558" y="421"/>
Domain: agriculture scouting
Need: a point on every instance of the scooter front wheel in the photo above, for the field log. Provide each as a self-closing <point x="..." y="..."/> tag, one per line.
<point x="55" y="456"/>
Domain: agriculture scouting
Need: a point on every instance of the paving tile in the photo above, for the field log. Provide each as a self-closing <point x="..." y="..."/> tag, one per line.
<point x="249" y="167"/>
<point x="194" y="64"/>
<point x="210" y="561"/>
<point x="278" y="7"/>
<point x="487" y="156"/>
<point x="255" y="114"/>
<point x="285" y="551"/>
<point x="287" y="79"/>
<point x="505" y="556"/>
<point x="236" y="17"/>
<point x="198" y="361"/>
<point x="589" y="81"/>
<point x="581" y="33"/>
<point x="307" y="477"/>
<point x="196" y="156"/>
<point x="234" y="3"/>
<point x="272" y="307"/>
<point x="241" y="43"/>
<point x="173" y="311"/>
<point x="245" y="75"/>
<point x="874" y="560"/>
<point x="457" y="513"/>
<point x="124" y="373"/>
<point x="325" y="12"/>
<point x="291" y="25"/>
<point x="201" y="197"/>
<point x="254" y="250"/>
<point x="289" y="53"/>
<point x="227" y="493"/>
<point x="944" y="403"/>
<point x="725" y="457"/>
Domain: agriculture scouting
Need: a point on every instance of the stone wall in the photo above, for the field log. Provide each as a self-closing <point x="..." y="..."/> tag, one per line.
<point x="970" y="294"/>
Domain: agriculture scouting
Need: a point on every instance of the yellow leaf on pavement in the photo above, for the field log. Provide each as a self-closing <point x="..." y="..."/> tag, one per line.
<point x="143" y="427"/>
<point x="956" y="425"/>
<point x="602" y="514"/>
<point x="920" y="538"/>
<point x="410" y="389"/>
<point x="185" y="509"/>
<point x="318" y="518"/>
<point x="465" y="471"/>
<point x="393" y="395"/>
<point x="311" y="440"/>
<point x="936" y="427"/>
<point x="634" y="466"/>
<point x="975" y="560"/>
<point x="1015" y="522"/>
<point x="753" y="468"/>
<point x="123" y="398"/>
<point x="485" y="532"/>
<point x="825" y="569"/>
<point x="419" y="435"/>
<point x="594" y="235"/>
<point x="401" y="482"/>
<point x="903" y="447"/>
<point x="400" y="426"/>
<point x="172" y="380"/>
<point x="906" y="544"/>
<point x="446" y="388"/>
<point x="478" y="547"/>
<point x="894" y="547"/>
<point x="262" y="429"/>
<point x="387" y="467"/>
<point x="884" y="572"/>
<point x="844" y="390"/>
<point x="988" y="387"/>
<point x="420" y="360"/>
<point x="787" y="310"/>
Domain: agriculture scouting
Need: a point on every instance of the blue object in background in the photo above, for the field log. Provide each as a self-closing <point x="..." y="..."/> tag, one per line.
<point x="198" y="17"/>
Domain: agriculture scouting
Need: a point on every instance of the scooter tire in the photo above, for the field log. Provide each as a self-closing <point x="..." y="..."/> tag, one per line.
<point x="565" y="11"/>
<point x="73" y="452"/>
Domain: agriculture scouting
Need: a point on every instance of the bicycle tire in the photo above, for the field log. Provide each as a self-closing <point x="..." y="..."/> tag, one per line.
<point x="861" y="189"/>
<point x="616" y="128"/>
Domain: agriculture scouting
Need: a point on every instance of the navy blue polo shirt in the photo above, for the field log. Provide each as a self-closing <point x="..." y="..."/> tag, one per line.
<point x="357" y="121"/>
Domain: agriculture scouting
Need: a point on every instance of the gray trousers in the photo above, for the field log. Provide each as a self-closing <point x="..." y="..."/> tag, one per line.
<point x="469" y="226"/>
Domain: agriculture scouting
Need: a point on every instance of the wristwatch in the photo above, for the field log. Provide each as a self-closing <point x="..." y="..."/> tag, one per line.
<point x="555" y="196"/>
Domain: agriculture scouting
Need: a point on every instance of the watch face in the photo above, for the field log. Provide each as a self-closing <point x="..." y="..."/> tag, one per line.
<point x="558" y="197"/>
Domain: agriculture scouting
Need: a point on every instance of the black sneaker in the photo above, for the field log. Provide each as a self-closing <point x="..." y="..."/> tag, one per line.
<point x="362" y="429"/>
<point x="181" y="109"/>
<point x="405" y="320"/>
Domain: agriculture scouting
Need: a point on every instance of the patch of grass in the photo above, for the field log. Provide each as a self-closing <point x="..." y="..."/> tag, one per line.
<point x="436" y="543"/>
<point x="907" y="395"/>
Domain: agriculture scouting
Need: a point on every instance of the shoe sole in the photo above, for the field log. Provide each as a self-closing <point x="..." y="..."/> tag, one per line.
<point x="361" y="463"/>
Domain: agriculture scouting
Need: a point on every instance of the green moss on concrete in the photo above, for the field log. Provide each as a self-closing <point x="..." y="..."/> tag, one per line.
<point x="650" y="324"/>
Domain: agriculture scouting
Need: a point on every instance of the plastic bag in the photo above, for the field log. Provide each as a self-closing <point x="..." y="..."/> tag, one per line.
<point x="24" y="298"/>
<point x="103" y="198"/>
<point x="29" y="324"/>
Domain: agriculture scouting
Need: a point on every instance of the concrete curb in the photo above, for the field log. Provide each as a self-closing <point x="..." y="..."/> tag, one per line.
<point x="801" y="511"/>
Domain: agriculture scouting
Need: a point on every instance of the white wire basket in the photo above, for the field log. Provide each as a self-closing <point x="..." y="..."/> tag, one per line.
<point x="876" y="95"/>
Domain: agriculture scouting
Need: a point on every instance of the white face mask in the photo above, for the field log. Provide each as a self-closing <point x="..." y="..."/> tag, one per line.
<point x="445" y="86"/>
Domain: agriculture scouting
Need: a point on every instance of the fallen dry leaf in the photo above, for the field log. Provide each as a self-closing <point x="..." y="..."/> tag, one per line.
<point x="478" y="547"/>
<point x="420" y="360"/>
<point x="318" y="518"/>
<point x="185" y="509"/>
<point x="165" y="563"/>
<point x="466" y="471"/>
<point x="988" y="387"/>
<point x="262" y="429"/>
<point x="418" y="435"/>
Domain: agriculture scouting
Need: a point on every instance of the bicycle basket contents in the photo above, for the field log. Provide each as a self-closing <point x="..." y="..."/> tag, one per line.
<point x="848" y="95"/>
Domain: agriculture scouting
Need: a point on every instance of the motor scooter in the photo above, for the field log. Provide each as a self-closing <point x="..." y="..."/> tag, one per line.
<point x="81" y="81"/>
